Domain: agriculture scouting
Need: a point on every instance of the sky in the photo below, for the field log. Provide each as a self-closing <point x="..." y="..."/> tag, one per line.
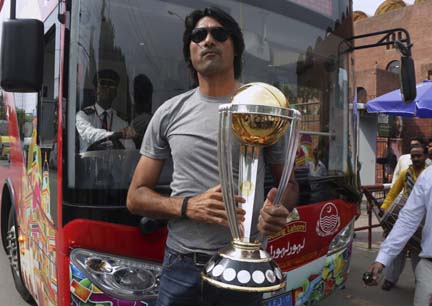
<point x="370" y="6"/>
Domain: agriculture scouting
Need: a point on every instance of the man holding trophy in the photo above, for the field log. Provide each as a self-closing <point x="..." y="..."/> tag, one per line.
<point x="187" y="128"/>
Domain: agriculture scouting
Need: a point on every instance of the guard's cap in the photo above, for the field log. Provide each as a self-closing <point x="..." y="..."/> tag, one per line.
<point x="108" y="75"/>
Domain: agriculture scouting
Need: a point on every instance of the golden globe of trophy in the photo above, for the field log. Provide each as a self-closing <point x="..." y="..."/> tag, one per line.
<point x="258" y="116"/>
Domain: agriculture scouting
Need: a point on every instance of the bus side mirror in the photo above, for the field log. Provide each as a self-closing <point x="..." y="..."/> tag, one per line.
<point x="22" y="55"/>
<point x="407" y="79"/>
<point x="407" y="72"/>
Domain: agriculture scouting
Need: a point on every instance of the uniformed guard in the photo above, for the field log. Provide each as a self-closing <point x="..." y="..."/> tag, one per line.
<point x="99" y="121"/>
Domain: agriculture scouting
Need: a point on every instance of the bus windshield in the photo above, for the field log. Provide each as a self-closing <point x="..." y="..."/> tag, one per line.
<point x="126" y="59"/>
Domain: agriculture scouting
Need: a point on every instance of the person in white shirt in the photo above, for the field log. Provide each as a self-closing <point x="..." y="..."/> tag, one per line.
<point x="417" y="207"/>
<point x="100" y="121"/>
<point x="404" y="160"/>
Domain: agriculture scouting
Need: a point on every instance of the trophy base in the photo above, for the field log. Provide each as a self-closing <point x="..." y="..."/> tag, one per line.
<point x="244" y="267"/>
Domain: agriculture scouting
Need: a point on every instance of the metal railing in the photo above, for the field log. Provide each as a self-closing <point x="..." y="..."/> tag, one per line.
<point x="375" y="195"/>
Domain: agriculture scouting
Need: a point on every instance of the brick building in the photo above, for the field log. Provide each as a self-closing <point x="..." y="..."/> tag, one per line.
<point x="377" y="68"/>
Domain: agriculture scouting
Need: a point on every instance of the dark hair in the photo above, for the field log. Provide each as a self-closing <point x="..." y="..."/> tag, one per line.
<point x="106" y="74"/>
<point x="227" y="22"/>
<point x="429" y="140"/>
<point x="143" y="92"/>
<point x="419" y="139"/>
<point x="425" y="150"/>
<point x="142" y="86"/>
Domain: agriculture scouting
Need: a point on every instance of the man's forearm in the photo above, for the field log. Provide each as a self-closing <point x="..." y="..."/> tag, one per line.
<point x="144" y="201"/>
<point x="392" y="194"/>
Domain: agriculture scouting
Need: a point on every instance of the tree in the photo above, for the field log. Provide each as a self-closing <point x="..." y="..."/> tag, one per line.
<point x="2" y="109"/>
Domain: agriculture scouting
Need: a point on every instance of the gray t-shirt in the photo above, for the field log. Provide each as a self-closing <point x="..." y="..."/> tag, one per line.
<point x="186" y="128"/>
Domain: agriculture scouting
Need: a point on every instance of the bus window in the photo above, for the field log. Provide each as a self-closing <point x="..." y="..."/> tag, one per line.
<point x="128" y="76"/>
<point x="305" y="70"/>
<point x="47" y="107"/>
<point x="40" y="128"/>
<point x="25" y="107"/>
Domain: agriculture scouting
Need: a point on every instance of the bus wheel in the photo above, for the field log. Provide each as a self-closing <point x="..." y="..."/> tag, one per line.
<point x="14" y="257"/>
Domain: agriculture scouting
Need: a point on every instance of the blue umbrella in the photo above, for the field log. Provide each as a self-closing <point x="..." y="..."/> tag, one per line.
<point x="391" y="103"/>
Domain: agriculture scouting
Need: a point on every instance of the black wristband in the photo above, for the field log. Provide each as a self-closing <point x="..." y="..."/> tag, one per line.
<point x="184" y="207"/>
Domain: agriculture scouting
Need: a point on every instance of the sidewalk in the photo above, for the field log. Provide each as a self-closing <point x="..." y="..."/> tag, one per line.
<point x="355" y="294"/>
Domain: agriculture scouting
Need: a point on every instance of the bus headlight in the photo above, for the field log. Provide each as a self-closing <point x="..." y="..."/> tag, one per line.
<point x="121" y="277"/>
<point x="342" y="240"/>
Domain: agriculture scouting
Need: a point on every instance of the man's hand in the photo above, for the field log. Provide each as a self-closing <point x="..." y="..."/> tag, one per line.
<point x="209" y="207"/>
<point x="272" y="217"/>
<point x="376" y="269"/>
<point x="128" y="132"/>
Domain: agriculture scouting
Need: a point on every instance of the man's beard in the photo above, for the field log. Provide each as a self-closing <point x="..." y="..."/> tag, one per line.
<point x="418" y="165"/>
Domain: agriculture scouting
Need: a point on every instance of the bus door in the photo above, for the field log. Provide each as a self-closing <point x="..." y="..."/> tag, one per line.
<point x="37" y="209"/>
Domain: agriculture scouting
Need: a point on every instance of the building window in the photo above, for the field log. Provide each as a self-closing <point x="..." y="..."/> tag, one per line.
<point x="394" y="67"/>
<point x="429" y="76"/>
<point x="361" y="95"/>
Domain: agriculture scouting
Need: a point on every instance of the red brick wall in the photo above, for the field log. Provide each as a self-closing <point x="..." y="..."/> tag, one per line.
<point x="416" y="127"/>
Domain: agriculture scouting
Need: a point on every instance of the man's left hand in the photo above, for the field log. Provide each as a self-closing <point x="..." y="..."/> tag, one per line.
<point x="376" y="269"/>
<point x="272" y="217"/>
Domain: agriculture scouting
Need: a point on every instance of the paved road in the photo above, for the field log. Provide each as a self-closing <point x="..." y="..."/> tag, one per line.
<point x="8" y="295"/>
<point x="356" y="295"/>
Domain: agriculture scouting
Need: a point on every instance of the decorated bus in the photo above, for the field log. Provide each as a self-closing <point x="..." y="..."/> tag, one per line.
<point x="65" y="227"/>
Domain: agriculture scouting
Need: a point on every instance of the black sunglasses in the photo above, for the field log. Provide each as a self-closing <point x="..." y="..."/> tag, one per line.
<point x="218" y="33"/>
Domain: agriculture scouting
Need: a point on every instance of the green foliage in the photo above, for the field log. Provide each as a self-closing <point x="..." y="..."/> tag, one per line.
<point x="2" y="109"/>
<point x="2" y="113"/>
<point x="22" y="117"/>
